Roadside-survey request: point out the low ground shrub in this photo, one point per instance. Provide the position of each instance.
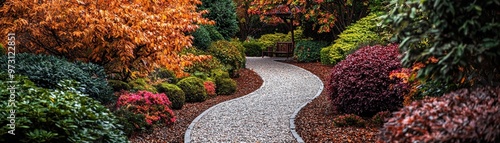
(466, 115)
(118, 85)
(229, 55)
(225, 86)
(132, 122)
(46, 71)
(54, 115)
(380, 118)
(324, 58)
(349, 120)
(154, 107)
(163, 73)
(174, 94)
(308, 51)
(252, 48)
(141, 84)
(193, 88)
(361, 85)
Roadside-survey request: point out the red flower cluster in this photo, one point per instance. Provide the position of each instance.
(155, 107)
(210, 88)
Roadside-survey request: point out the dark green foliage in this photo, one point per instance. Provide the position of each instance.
(225, 86)
(201, 38)
(163, 73)
(193, 88)
(214, 34)
(174, 94)
(308, 51)
(118, 85)
(252, 48)
(361, 32)
(3, 50)
(46, 71)
(132, 122)
(61, 115)
(229, 55)
(141, 84)
(360, 84)
(461, 35)
(223, 12)
(380, 118)
(349, 120)
(466, 115)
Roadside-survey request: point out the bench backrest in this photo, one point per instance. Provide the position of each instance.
(284, 47)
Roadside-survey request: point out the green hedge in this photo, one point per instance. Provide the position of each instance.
(60, 115)
(308, 51)
(361, 32)
(193, 88)
(252, 48)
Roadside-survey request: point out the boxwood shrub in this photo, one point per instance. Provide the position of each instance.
(193, 88)
(46, 71)
(174, 94)
(54, 115)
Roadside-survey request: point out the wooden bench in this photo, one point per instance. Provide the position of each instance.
(285, 48)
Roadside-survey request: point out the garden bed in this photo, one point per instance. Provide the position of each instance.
(314, 123)
(248, 82)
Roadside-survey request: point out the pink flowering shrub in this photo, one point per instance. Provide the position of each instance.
(154, 107)
(210, 88)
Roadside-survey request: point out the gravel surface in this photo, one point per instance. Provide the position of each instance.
(263, 115)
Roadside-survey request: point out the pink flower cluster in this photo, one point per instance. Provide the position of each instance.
(155, 107)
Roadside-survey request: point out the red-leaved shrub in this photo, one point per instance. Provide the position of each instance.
(466, 115)
(210, 88)
(360, 84)
(155, 107)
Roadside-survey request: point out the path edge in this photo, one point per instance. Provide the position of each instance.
(187, 134)
(296, 112)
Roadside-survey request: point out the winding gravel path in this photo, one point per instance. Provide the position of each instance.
(265, 115)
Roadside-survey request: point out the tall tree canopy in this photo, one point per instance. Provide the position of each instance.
(331, 16)
(127, 37)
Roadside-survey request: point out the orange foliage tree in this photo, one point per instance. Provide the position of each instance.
(128, 37)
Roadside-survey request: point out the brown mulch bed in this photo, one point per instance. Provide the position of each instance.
(314, 122)
(248, 82)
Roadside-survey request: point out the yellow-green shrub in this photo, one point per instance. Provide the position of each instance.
(363, 31)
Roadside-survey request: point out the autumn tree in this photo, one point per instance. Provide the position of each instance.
(322, 16)
(128, 37)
